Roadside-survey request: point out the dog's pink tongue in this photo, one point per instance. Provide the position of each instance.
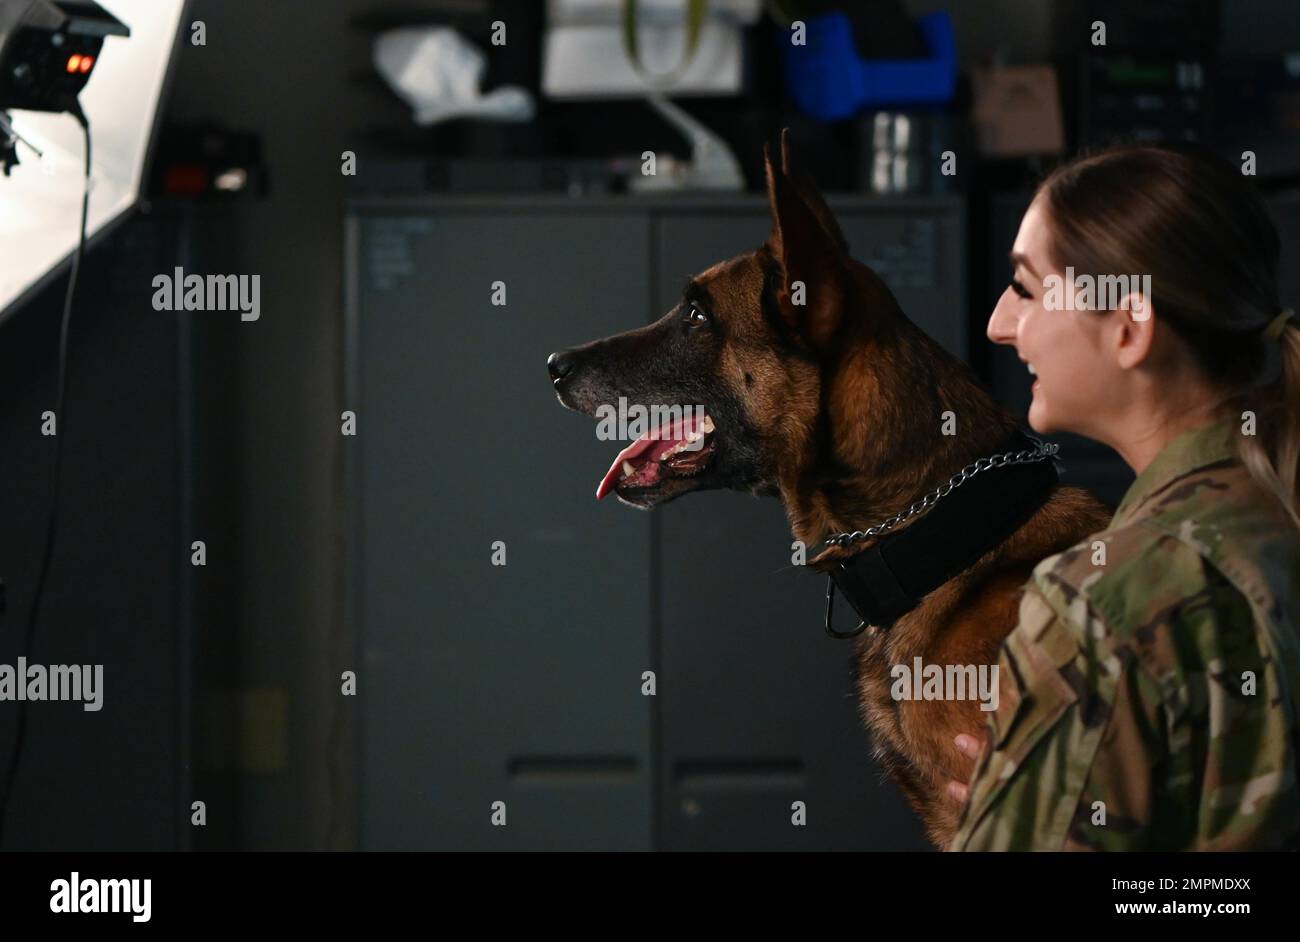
(675, 433)
(616, 469)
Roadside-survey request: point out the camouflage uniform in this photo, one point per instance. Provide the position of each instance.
(1125, 686)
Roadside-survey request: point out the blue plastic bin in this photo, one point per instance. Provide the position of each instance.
(829, 81)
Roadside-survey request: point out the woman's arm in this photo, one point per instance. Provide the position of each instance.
(1072, 749)
(1164, 733)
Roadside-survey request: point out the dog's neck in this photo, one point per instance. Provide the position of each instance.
(880, 444)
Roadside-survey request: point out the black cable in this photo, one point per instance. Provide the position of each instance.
(61, 429)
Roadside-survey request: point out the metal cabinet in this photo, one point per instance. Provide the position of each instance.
(522, 683)
(484, 683)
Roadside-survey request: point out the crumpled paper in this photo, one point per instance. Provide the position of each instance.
(437, 72)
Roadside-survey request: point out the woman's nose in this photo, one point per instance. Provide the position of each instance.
(1002, 322)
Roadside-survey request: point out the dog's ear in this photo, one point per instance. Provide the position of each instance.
(807, 243)
(809, 193)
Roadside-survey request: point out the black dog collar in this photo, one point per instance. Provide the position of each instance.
(890, 577)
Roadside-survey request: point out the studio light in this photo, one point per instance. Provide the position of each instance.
(62, 61)
(48, 48)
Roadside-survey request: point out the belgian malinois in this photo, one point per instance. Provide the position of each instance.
(833, 405)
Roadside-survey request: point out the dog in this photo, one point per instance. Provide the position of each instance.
(818, 390)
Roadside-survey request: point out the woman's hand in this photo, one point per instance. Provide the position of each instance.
(970, 747)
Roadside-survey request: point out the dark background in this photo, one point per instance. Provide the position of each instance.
(222, 681)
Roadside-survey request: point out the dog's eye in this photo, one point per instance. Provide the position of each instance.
(694, 317)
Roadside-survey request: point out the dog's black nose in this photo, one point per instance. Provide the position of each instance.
(560, 365)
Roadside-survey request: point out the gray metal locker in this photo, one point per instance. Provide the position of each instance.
(480, 683)
(522, 683)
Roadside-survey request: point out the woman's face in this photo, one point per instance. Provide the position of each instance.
(1075, 387)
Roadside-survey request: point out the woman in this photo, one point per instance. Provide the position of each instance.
(1151, 689)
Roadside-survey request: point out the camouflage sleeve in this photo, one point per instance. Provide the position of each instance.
(1124, 788)
(1075, 739)
(1152, 738)
(1228, 781)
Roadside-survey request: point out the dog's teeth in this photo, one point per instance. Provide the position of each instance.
(628, 470)
(707, 424)
(1032, 371)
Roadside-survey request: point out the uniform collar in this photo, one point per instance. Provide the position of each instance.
(1196, 448)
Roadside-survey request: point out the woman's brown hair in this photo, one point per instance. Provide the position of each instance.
(1203, 235)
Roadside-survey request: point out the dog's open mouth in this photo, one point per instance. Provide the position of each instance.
(683, 449)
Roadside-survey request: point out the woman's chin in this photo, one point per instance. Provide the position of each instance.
(1039, 419)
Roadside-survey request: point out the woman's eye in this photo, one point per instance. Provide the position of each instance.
(1020, 289)
(695, 317)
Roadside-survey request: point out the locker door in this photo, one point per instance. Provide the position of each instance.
(482, 683)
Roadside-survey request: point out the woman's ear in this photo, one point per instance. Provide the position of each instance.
(1134, 329)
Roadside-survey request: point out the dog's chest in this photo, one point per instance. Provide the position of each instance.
(878, 653)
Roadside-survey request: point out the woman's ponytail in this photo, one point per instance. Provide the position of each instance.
(1272, 457)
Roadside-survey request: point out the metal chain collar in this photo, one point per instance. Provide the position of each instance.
(1040, 452)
